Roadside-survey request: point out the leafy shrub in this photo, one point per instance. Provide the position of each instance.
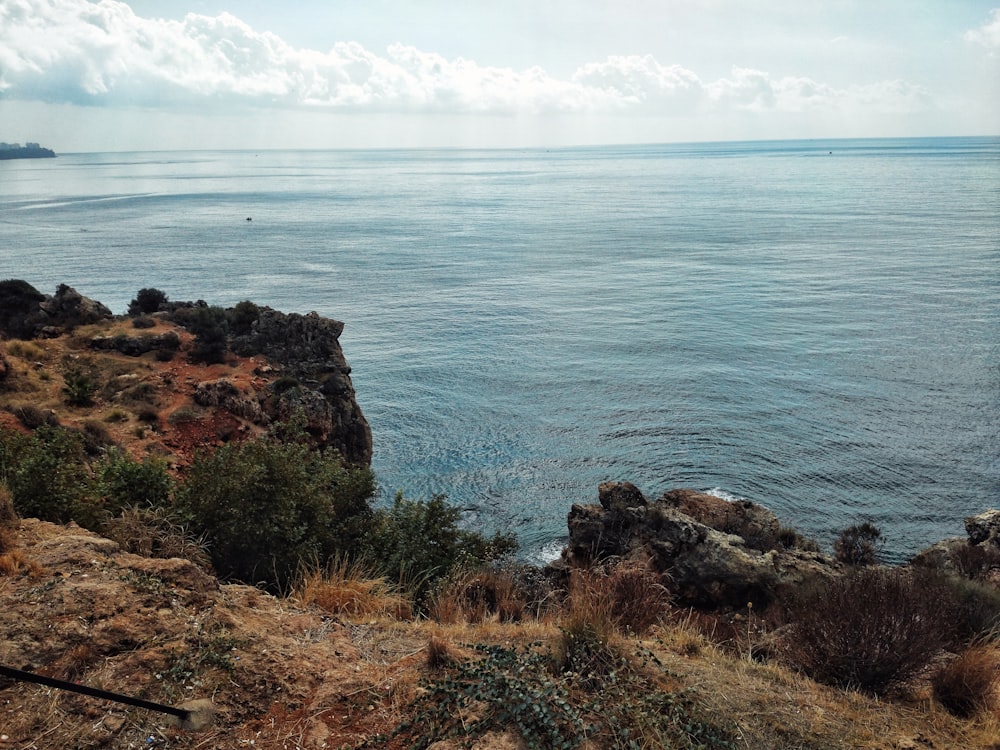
(79, 387)
(419, 542)
(123, 482)
(48, 476)
(872, 628)
(242, 317)
(210, 326)
(265, 506)
(146, 301)
(966, 685)
(515, 689)
(857, 545)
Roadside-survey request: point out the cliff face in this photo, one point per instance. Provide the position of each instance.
(152, 394)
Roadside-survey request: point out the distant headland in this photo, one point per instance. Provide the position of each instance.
(27, 151)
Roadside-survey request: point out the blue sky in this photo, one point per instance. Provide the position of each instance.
(160, 74)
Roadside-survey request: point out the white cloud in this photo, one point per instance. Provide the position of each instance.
(988, 34)
(75, 51)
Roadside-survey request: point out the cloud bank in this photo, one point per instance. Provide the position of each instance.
(102, 54)
(988, 34)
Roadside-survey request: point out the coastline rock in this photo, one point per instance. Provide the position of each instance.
(68, 309)
(308, 347)
(708, 565)
(26, 313)
(984, 528)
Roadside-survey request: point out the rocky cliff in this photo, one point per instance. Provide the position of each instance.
(145, 379)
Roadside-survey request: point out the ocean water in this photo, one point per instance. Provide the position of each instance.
(813, 325)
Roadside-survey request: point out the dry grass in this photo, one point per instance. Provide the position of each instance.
(346, 588)
(968, 684)
(151, 533)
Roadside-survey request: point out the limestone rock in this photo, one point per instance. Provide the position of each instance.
(984, 528)
(707, 566)
(68, 309)
(224, 394)
(308, 346)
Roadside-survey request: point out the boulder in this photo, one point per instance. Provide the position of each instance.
(984, 528)
(68, 309)
(708, 567)
(223, 394)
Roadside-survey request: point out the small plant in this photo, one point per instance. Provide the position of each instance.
(976, 561)
(79, 387)
(858, 544)
(115, 416)
(143, 322)
(153, 532)
(967, 685)
(506, 688)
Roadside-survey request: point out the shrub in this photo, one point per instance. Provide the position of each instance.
(265, 506)
(143, 321)
(242, 317)
(96, 438)
(79, 387)
(147, 301)
(123, 482)
(966, 685)
(872, 628)
(976, 561)
(478, 594)
(857, 545)
(419, 542)
(48, 476)
(210, 327)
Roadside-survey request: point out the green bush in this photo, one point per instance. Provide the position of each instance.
(48, 475)
(265, 506)
(79, 387)
(146, 301)
(124, 482)
(242, 317)
(420, 542)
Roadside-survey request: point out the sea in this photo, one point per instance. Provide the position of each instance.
(810, 325)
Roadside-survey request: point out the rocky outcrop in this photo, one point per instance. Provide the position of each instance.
(695, 540)
(977, 556)
(984, 528)
(27, 313)
(308, 349)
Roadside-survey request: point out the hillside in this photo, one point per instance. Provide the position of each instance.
(594, 653)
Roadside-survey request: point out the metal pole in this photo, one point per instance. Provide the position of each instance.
(18, 674)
